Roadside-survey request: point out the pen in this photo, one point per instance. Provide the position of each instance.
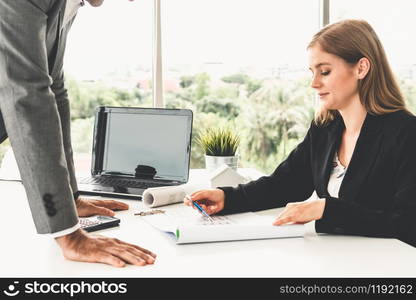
(200, 208)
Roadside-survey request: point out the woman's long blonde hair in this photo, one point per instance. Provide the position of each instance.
(352, 40)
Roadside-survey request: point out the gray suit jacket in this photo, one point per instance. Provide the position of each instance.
(35, 108)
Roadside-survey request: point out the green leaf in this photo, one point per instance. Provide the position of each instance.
(219, 141)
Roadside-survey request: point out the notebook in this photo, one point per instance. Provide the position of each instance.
(138, 148)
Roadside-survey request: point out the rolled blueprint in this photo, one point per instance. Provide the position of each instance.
(159, 196)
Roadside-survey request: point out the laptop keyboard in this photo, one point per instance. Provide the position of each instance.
(120, 182)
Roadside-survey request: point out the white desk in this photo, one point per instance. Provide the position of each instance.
(23, 253)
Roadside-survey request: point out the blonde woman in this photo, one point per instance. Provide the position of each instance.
(359, 155)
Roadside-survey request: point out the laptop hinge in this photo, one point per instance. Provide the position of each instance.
(100, 127)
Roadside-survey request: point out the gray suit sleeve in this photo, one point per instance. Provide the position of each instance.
(31, 114)
(62, 101)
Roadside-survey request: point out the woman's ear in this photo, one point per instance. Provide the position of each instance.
(363, 67)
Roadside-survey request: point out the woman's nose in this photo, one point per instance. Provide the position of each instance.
(316, 83)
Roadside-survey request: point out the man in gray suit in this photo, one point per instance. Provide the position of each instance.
(35, 109)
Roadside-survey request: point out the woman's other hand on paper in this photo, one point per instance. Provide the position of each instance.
(301, 212)
(212, 200)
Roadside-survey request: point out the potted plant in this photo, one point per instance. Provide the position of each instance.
(220, 147)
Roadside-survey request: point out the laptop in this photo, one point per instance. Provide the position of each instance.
(138, 148)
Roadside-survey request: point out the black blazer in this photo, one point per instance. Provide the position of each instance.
(377, 196)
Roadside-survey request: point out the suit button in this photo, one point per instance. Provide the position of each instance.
(51, 212)
(49, 205)
(47, 197)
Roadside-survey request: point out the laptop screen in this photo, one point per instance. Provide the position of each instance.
(147, 139)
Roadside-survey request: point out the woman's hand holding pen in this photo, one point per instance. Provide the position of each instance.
(301, 212)
(212, 200)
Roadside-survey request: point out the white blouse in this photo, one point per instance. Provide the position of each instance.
(337, 175)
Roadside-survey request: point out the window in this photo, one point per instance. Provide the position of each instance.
(108, 61)
(241, 64)
(235, 63)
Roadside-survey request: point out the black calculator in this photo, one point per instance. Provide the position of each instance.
(95, 223)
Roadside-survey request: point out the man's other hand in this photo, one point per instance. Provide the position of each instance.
(91, 207)
(81, 246)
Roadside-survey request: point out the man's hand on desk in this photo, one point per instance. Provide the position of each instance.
(81, 246)
(90, 207)
(212, 201)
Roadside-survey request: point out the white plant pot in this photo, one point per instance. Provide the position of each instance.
(213, 162)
